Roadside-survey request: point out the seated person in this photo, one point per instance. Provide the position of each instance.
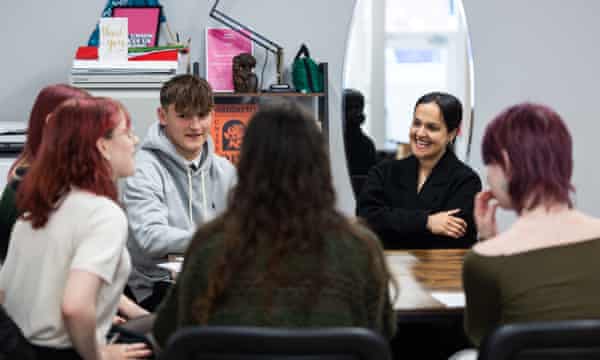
(545, 266)
(360, 150)
(179, 183)
(425, 200)
(273, 257)
(67, 262)
(47, 100)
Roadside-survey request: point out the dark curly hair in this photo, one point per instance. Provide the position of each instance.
(284, 198)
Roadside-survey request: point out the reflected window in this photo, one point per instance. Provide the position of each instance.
(399, 50)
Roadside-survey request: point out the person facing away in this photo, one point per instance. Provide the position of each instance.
(67, 262)
(179, 183)
(281, 254)
(360, 149)
(544, 267)
(425, 200)
(46, 101)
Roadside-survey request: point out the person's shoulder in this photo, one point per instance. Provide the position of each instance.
(462, 169)
(148, 164)
(223, 166)
(85, 203)
(360, 240)
(223, 162)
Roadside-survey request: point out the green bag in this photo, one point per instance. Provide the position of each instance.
(306, 75)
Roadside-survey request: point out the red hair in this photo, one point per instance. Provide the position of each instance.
(68, 157)
(47, 100)
(539, 149)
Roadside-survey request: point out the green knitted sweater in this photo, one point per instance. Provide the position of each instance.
(350, 295)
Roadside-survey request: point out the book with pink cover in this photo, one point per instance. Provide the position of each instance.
(222, 45)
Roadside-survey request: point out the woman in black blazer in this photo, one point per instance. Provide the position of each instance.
(426, 200)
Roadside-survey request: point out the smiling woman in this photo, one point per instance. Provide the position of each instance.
(426, 200)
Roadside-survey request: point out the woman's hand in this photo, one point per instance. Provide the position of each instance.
(125, 351)
(485, 214)
(117, 320)
(445, 223)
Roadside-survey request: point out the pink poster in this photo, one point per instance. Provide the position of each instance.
(143, 24)
(221, 46)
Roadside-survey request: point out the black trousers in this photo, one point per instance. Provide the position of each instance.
(159, 292)
(42, 352)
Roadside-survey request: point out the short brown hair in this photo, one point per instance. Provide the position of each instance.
(189, 93)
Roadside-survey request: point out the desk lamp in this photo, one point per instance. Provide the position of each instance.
(257, 38)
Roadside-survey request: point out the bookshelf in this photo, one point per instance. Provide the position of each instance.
(142, 100)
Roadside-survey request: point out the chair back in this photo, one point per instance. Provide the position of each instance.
(261, 343)
(552, 340)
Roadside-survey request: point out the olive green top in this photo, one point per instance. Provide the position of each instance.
(554, 283)
(350, 296)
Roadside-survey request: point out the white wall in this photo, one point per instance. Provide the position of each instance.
(545, 51)
(39, 40)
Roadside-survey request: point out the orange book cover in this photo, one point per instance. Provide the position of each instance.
(228, 128)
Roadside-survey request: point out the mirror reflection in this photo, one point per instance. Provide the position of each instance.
(408, 95)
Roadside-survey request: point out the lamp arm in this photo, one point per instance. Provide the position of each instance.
(255, 37)
(237, 23)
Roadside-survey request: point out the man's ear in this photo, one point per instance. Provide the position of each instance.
(102, 146)
(162, 115)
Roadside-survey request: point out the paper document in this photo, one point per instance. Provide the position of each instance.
(451, 299)
(174, 266)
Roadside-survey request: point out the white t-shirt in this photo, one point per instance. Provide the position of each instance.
(87, 232)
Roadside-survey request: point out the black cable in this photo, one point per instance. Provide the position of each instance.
(262, 73)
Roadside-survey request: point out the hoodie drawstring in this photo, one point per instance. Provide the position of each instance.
(203, 194)
(190, 197)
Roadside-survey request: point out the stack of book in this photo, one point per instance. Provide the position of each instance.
(149, 67)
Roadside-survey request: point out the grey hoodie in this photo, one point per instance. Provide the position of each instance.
(166, 201)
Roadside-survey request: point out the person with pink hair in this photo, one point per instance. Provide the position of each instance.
(544, 267)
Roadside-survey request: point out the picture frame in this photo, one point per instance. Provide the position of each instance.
(143, 24)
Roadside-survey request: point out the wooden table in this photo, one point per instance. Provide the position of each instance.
(426, 327)
(426, 276)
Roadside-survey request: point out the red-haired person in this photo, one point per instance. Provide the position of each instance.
(545, 266)
(67, 263)
(47, 100)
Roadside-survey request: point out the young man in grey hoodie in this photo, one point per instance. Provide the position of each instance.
(179, 184)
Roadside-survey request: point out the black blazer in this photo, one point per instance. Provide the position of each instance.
(390, 204)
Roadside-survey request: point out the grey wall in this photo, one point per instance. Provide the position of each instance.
(39, 40)
(544, 51)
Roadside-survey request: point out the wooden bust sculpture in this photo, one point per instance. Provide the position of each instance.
(244, 80)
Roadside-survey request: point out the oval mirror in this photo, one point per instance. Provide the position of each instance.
(398, 51)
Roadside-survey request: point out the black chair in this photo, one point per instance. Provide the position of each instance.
(261, 343)
(572, 339)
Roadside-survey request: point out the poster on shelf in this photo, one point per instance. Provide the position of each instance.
(222, 45)
(228, 128)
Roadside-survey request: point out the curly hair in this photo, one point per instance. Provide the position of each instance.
(284, 198)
